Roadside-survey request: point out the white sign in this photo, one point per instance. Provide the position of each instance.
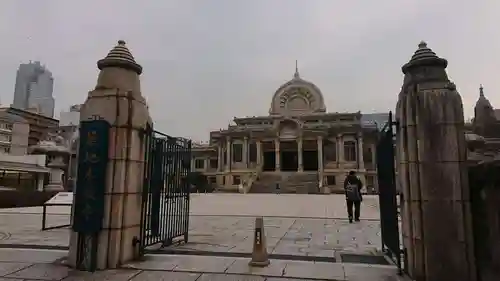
(61, 198)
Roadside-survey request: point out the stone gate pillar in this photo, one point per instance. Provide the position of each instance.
(116, 99)
(432, 172)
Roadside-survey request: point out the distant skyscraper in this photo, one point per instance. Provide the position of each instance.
(34, 87)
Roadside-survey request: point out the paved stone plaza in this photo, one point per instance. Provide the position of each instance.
(307, 227)
(303, 225)
(30, 265)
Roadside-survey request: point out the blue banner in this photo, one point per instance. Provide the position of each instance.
(91, 177)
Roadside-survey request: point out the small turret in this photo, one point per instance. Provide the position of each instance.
(424, 56)
(120, 56)
(484, 115)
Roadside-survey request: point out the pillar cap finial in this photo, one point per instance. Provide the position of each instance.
(120, 56)
(424, 56)
(296, 74)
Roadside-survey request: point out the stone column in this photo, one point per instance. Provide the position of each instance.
(437, 228)
(228, 154)
(320, 166)
(340, 151)
(55, 180)
(259, 152)
(39, 181)
(277, 153)
(117, 99)
(361, 161)
(245, 152)
(320, 153)
(220, 156)
(299, 152)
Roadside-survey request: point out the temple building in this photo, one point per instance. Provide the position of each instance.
(483, 133)
(299, 145)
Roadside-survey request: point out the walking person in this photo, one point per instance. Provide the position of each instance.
(278, 189)
(352, 187)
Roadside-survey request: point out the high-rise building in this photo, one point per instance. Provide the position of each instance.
(34, 87)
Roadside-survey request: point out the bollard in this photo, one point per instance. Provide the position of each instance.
(259, 254)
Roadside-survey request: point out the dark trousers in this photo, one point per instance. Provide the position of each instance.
(357, 209)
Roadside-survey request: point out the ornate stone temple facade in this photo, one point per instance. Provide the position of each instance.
(299, 145)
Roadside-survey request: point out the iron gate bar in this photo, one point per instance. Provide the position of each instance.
(389, 214)
(165, 197)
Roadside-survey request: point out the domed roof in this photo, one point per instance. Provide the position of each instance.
(424, 56)
(297, 96)
(482, 101)
(120, 56)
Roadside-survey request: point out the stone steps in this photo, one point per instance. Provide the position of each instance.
(300, 183)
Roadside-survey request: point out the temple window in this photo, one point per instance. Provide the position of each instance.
(350, 151)
(199, 164)
(237, 152)
(213, 163)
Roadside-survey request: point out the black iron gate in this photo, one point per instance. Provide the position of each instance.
(165, 198)
(389, 215)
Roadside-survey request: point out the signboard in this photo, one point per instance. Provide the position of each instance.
(91, 181)
(61, 199)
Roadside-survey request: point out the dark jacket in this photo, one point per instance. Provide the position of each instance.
(354, 180)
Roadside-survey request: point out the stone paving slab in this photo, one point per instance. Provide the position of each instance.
(282, 205)
(284, 236)
(223, 223)
(184, 267)
(277, 270)
(269, 205)
(30, 255)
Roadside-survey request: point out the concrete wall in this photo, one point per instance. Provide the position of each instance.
(20, 137)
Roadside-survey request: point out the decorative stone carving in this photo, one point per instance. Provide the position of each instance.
(297, 96)
(288, 129)
(57, 150)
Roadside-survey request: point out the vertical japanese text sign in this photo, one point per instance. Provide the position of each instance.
(91, 181)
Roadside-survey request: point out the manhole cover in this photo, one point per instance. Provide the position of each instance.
(366, 259)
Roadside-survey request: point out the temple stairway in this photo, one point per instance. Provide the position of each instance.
(301, 183)
(266, 183)
(290, 182)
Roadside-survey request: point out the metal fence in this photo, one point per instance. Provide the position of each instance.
(389, 215)
(165, 199)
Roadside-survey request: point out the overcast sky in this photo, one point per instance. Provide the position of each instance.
(206, 61)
